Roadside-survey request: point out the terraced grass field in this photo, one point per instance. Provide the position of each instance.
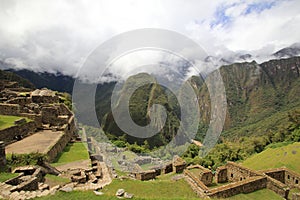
(288, 156)
(7, 121)
(71, 153)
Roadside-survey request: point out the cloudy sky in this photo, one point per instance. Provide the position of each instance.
(48, 36)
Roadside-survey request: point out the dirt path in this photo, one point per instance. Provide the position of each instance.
(82, 164)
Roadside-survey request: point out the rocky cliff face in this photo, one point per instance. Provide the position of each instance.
(255, 92)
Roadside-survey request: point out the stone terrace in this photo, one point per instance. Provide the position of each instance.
(40, 142)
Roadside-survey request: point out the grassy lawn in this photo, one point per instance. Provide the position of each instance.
(6, 176)
(288, 156)
(195, 171)
(158, 189)
(162, 188)
(71, 153)
(8, 121)
(53, 180)
(264, 194)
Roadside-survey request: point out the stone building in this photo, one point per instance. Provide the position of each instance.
(178, 164)
(221, 175)
(203, 174)
(145, 175)
(241, 180)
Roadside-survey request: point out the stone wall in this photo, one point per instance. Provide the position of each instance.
(278, 187)
(44, 99)
(8, 135)
(168, 168)
(2, 156)
(145, 175)
(278, 174)
(37, 118)
(296, 196)
(250, 185)
(284, 175)
(205, 175)
(237, 172)
(178, 164)
(199, 184)
(9, 109)
(221, 175)
(49, 115)
(22, 101)
(292, 179)
(58, 146)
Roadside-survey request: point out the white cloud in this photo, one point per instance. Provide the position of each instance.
(48, 36)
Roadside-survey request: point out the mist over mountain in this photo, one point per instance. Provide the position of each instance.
(57, 82)
(64, 83)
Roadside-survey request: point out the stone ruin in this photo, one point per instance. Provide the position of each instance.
(177, 166)
(204, 175)
(44, 110)
(240, 179)
(27, 185)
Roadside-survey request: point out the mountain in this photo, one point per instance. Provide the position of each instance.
(12, 77)
(293, 50)
(259, 96)
(57, 82)
(139, 107)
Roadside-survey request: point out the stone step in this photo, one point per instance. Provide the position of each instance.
(43, 186)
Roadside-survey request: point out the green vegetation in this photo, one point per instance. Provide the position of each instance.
(264, 194)
(65, 98)
(71, 153)
(162, 188)
(6, 176)
(16, 160)
(243, 147)
(152, 189)
(139, 107)
(276, 157)
(53, 180)
(260, 104)
(7, 121)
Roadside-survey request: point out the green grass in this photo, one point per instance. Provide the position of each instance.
(147, 166)
(294, 190)
(276, 157)
(158, 189)
(53, 180)
(71, 153)
(6, 176)
(7, 121)
(264, 194)
(162, 188)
